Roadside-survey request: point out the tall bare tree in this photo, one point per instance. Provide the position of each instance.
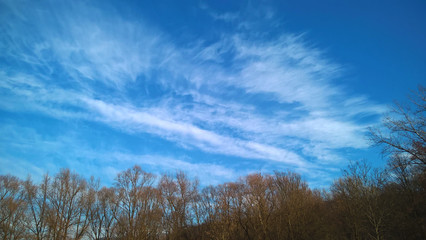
(259, 205)
(179, 196)
(298, 208)
(402, 136)
(360, 202)
(36, 197)
(12, 208)
(139, 215)
(69, 206)
(103, 215)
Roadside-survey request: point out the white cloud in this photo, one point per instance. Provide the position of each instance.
(187, 134)
(76, 155)
(208, 173)
(81, 63)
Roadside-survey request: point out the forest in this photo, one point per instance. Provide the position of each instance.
(364, 203)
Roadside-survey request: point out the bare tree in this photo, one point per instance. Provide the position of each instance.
(36, 197)
(139, 215)
(179, 196)
(103, 214)
(403, 130)
(402, 136)
(297, 214)
(69, 206)
(259, 205)
(218, 212)
(12, 208)
(360, 201)
(235, 192)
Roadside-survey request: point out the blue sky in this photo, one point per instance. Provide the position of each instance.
(219, 89)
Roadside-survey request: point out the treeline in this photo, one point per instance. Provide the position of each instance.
(364, 203)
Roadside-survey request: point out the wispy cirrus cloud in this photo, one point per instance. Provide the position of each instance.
(271, 99)
(133, 120)
(102, 163)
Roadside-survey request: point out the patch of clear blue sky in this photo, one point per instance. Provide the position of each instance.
(380, 42)
(215, 88)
